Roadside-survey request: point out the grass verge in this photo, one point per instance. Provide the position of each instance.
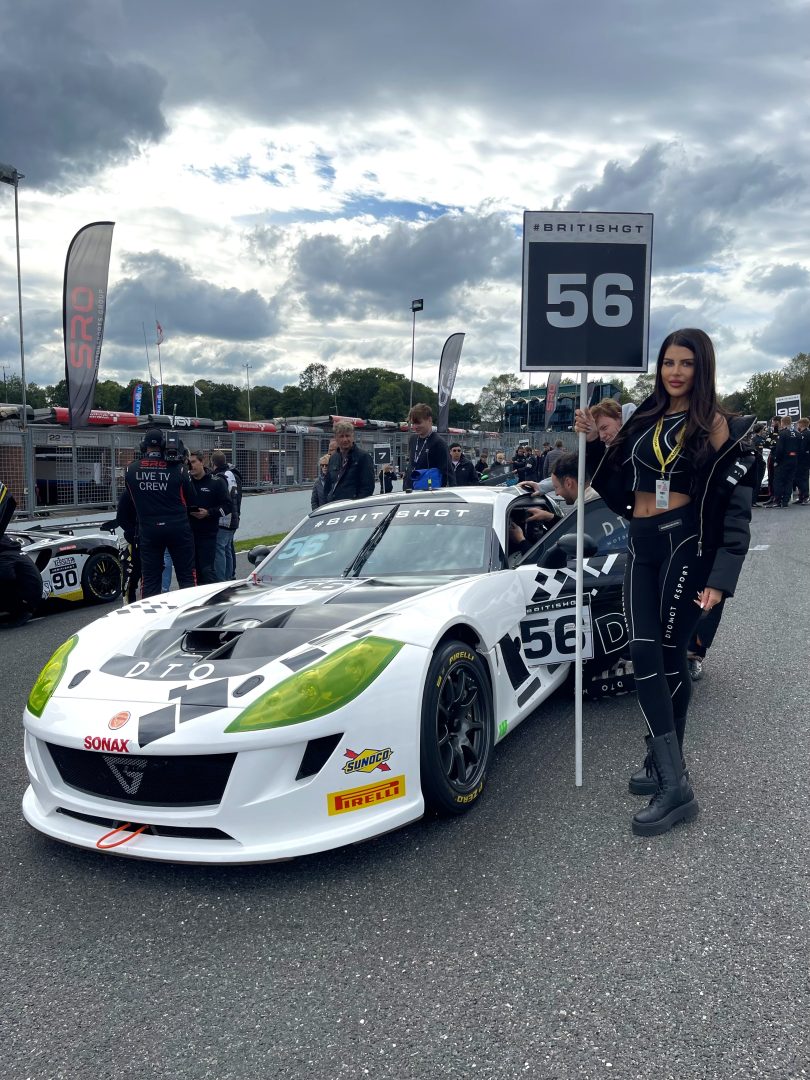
(246, 545)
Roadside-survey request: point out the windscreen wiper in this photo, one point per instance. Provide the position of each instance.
(362, 556)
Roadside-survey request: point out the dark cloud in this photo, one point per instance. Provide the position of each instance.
(382, 275)
(186, 304)
(696, 203)
(779, 277)
(537, 69)
(70, 108)
(788, 331)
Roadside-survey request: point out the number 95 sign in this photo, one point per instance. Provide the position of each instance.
(586, 291)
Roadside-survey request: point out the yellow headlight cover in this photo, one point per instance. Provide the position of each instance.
(320, 689)
(49, 677)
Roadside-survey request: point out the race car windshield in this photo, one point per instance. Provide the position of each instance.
(387, 541)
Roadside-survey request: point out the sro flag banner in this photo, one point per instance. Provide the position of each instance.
(586, 291)
(552, 386)
(84, 306)
(789, 406)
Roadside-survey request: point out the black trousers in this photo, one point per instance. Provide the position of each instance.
(663, 577)
(802, 478)
(179, 542)
(783, 477)
(205, 552)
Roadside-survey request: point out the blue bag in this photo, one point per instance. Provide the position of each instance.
(426, 479)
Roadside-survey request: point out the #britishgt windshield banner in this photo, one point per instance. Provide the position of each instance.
(84, 307)
(448, 366)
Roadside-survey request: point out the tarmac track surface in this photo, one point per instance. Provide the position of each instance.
(535, 936)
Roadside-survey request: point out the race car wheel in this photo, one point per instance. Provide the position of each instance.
(101, 578)
(457, 729)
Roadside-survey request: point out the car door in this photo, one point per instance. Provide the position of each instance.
(547, 629)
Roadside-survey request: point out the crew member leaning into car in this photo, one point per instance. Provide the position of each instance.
(680, 471)
(159, 489)
(351, 470)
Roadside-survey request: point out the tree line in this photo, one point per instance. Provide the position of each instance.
(378, 394)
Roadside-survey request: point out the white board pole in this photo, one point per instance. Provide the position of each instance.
(580, 593)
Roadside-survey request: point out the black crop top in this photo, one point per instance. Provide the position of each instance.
(642, 468)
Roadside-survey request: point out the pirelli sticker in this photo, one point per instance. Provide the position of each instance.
(343, 802)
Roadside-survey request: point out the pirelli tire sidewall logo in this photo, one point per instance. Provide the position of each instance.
(458, 657)
(363, 798)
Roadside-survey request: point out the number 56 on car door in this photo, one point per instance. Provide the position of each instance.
(548, 632)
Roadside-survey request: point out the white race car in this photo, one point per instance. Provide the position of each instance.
(363, 673)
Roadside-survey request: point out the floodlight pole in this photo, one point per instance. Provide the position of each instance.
(247, 376)
(416, 305)
(9, 175)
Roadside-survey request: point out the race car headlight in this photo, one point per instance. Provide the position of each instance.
(320, 689)
(49, 677)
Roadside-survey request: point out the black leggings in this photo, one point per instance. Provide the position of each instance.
(664, 575)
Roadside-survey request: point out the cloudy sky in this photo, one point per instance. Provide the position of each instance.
(286, 177)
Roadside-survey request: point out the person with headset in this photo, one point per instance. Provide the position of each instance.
(160, 492)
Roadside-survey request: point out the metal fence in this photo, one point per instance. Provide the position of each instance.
(77, 470)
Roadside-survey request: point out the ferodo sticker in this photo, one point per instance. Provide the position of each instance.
(343, 802)
(112, 746)
(368, 760)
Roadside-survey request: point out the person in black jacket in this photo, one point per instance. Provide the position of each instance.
(679, 470)
(351, 470)
(461, 472)
(211, 500)
(785, 459)
(802, 478)
(159, 490)
(426, 448)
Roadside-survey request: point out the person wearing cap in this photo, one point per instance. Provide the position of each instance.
(158, 487)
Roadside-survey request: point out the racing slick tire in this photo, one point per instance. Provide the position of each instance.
(458, 728)
(101, 578)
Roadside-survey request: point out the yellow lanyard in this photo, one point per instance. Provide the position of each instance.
(659, 427)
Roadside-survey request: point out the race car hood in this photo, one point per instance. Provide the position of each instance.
(142, 652)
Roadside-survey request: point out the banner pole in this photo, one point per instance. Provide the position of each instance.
(581, 440)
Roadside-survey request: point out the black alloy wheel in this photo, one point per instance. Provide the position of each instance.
(101, 578)
(457, 729)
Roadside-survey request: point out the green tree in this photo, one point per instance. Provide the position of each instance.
(56, 395)
(494, 396)
(388, 403)
(642, 387)
(264, 402)
(314, 386)
(108, 395)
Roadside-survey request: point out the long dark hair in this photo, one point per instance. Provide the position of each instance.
(703, 405)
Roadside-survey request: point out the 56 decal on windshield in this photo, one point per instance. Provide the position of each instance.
(548, 632)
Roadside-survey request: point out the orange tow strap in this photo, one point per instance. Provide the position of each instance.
(125, 840)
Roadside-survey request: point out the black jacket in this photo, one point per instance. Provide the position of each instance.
(355, 481)
(211, 494)
(160, 491)
(318, 496)
(722, 498)
(463, 475)
(788, 447)
(432, 455)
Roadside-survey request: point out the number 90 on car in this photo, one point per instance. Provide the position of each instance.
(548, 632)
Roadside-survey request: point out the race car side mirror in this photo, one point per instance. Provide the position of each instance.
(569, 545)
(565, 550)
(259, 553)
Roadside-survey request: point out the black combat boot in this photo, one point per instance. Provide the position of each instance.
(644, 781)
(674, 800)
